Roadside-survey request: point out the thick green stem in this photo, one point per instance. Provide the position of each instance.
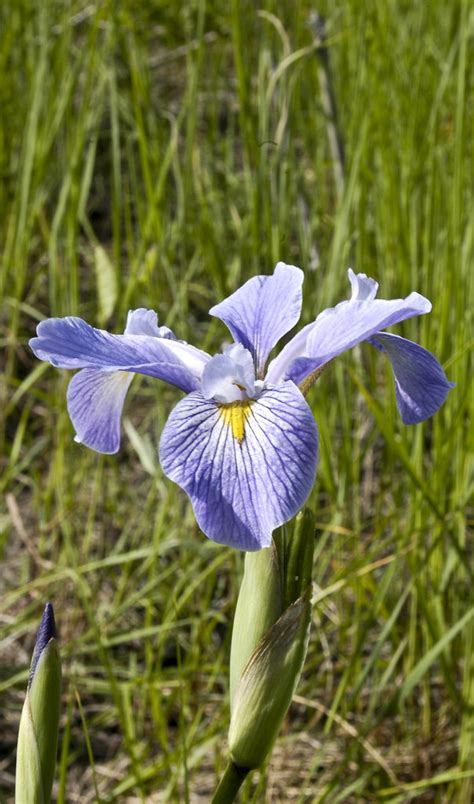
(230, 784)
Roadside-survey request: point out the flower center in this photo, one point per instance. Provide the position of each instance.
(230, 377)
(234, 415)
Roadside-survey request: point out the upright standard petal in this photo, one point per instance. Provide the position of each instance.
(247, 466)
(263, 310)
(340, 328)
(421, 385)
(363, 288)
(71, 343)
(145, 322)
(95, 402)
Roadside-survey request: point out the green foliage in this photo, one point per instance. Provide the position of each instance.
(187, 146)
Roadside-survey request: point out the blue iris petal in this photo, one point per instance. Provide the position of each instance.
(420, 383)
(263, 310)
(95, 402)
(96, 394)
(338, 329)
(247, 467)
(72, 343)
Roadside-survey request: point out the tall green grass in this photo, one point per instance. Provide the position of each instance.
(159, 154)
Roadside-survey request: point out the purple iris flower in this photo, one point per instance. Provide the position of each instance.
(243, 443)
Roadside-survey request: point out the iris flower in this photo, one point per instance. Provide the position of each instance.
(243, 443)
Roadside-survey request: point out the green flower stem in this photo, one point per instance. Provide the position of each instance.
(230, 784)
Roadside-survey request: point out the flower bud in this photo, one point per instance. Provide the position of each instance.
(38, 732)
(267, 684)
(259, 606)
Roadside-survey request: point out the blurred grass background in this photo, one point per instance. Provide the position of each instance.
(159, 154)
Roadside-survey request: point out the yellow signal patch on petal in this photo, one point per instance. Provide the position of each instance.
(235, 414)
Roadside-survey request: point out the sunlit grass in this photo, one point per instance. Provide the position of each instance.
(157, 154)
